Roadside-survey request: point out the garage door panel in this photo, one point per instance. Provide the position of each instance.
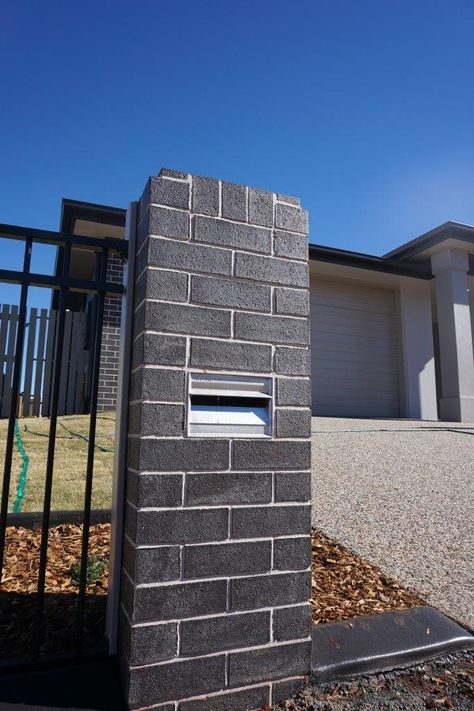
(356, 305)
(380, 353)
(352, 388)
(335, 342)
(343, 364)
(356, 409)
(354, 355)
(327, 314)
(357, 298)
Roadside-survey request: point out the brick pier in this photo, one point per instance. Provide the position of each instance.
(216, 569)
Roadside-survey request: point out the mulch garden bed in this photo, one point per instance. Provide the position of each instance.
(345, 585)
(18, 599)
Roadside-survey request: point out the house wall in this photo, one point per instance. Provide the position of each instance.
(110, 345)
(216, 567)
(416, 345)
(450, 266)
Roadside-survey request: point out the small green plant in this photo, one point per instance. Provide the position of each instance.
(95, 567)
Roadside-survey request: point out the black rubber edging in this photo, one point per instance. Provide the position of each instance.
(33, 519)
(390, 640)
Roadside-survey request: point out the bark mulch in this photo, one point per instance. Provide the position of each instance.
(20, 573)
(19, 602)
(345, 585)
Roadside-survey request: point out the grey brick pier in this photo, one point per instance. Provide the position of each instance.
(216, 567)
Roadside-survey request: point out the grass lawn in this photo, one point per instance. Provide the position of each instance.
(70, 461)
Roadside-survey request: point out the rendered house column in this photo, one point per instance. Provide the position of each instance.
(216, 577)
(419, 382)
(450, 268)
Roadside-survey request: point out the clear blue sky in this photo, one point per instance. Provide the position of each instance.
(363, 108)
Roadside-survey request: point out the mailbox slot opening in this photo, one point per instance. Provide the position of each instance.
(229, 405)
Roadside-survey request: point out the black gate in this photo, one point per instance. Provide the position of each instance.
(42, 621)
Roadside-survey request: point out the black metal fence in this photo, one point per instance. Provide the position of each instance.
(63, 286)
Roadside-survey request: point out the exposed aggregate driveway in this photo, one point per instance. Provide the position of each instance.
(403, 499)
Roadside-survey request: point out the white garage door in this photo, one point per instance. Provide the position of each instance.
(353, 350)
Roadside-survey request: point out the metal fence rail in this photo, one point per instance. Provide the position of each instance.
(44, 346)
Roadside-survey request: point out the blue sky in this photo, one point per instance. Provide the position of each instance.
(365, 109)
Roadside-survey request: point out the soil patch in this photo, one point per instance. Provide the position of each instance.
(446, 683)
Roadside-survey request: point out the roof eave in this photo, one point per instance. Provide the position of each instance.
(366, 261)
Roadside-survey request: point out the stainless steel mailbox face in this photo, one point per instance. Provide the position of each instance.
(229, 405)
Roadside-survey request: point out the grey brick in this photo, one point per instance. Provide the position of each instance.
(221, 633)
(296, 392)
(270, 590)
(285, 690)
(228, 292)
(292, 623)
(130, 521)
(293, 423)
(260, 521)
(166, 222)
(265, 455)
(292, 486)
(183, 455)
(231, 234)
(292, 361)
(169, 192)
(260, 207)
(154, 349)
(271, 329)
(227, 559)
(169, 173)
(294, 302)
(179, 679)
(292, 553)
(152, 565)
(160, 284)
(271, 270)
(144, 490)
(138, 320)
(288, 198)
(290, 244)
(194, 320)
(127, 593)
(180, 600)
(234, 201)
(153, 643)
(158, 384)
(228, 488)
(270, 663)
(254, 698)
(294, 219)
(149, 644)
(181, 526)
(195, 257)
(225, 355)
(205, 195)
(156, 419)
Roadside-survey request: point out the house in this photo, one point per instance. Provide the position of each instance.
(391, 336)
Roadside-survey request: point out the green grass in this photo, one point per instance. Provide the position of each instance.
(69, 463)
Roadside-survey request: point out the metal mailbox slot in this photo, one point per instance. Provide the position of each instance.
(229, 405)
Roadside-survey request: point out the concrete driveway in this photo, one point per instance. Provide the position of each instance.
(403, 499)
